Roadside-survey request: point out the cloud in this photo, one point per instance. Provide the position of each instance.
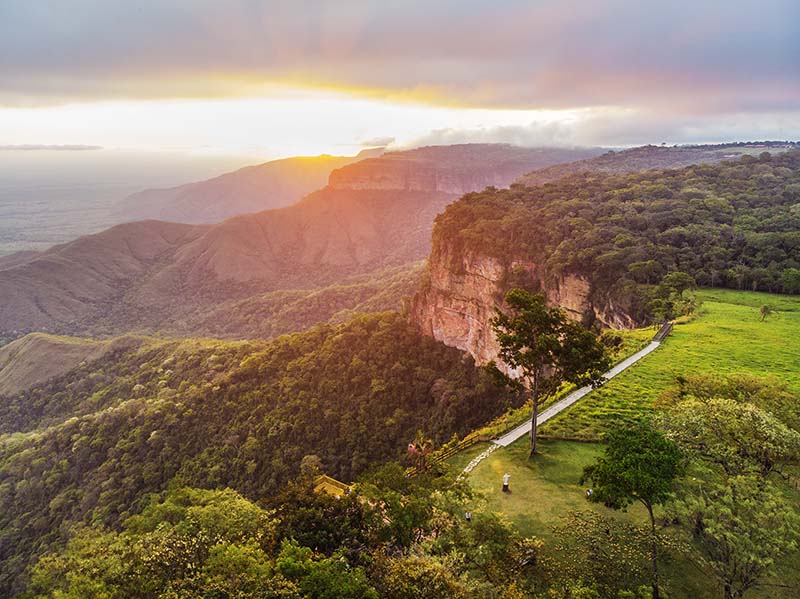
(595, 127)
(55, 147)
(377, 142)
(716, 56)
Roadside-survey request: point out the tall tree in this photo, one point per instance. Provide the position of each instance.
(640, 464)
(739, 431)
(546, 348)
(741, 527)
(678, 282)
(739, 437)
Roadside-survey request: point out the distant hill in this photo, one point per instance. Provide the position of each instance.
(653, 157)
(137, 274)
(37, 358)
(273, 184)
(455, 169)
(140, 276)
(11, 260)
(267, 315)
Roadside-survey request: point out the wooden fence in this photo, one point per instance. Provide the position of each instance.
(445, 453)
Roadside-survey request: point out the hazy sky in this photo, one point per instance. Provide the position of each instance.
(307, 76)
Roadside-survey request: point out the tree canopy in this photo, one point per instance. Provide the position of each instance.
(735, 224)
(640, 465)
(90, 445)
(545, 348)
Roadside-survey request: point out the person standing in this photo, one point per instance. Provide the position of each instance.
(506, 476)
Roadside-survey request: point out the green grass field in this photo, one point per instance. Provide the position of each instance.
(546, 488)
(542, 489)
(725, 336)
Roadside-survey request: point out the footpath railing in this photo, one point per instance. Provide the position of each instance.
(665, 330)
(444, 454)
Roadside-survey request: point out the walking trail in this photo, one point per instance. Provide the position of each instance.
(561, 405)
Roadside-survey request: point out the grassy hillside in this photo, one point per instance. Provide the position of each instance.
(39, 357)
(725, 336)
(267, 315)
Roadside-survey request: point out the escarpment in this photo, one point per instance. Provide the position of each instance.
(153, 275)
(595, 243)
(452, 170)
(463, 287)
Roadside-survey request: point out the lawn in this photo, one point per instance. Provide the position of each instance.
(541, 489)
(725, 336)
(544, 489)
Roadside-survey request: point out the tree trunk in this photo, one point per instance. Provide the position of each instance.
(535, 413)
(653, 551)
(726, 591)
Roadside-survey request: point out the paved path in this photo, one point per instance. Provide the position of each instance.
(545, 415)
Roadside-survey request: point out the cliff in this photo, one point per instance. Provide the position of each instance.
(453, 170)
(143, 275)
(462, 288)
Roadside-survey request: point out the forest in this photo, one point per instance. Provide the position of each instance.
(710, 467)
(735, 225)
(90, 446)
(177, 468)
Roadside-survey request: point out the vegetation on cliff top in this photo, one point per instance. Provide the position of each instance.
(736, 225)
(653, 157)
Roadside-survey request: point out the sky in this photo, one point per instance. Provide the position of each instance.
(277, 78)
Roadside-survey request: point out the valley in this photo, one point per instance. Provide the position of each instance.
(140, 276)
(249, 355)
(399, 300)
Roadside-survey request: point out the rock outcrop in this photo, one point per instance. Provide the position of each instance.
(462, 289)
(453, 170)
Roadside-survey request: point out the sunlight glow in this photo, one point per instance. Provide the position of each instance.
(285, 121)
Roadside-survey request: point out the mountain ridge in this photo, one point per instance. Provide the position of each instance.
(250, 189)
(148, 272)
(649, 157)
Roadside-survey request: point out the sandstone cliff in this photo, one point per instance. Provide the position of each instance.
(453, 170)
(250, 189)
(462, 288)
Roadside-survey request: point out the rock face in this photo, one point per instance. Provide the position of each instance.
(462, 289)
(453, 170)
(408, 175)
